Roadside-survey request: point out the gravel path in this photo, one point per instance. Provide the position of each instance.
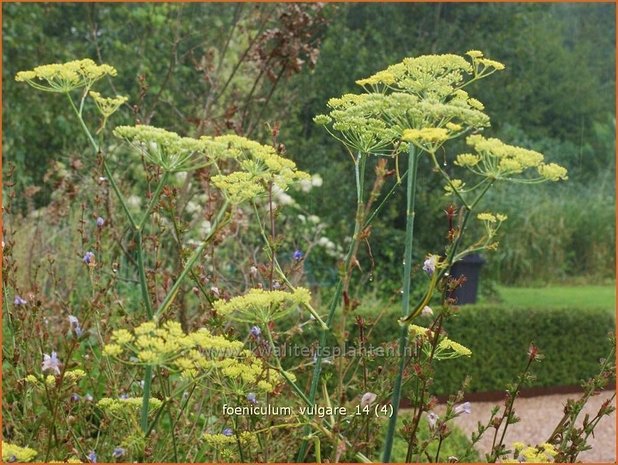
(539, 416)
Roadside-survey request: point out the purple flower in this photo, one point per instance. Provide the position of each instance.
(74, 322)
(88, 258)
(100, 222)
(119, 452)
(431, 419)
(429, 265)
(92, 457)
(19, 301)
(251, 397)
(367, 399)
(466, 407)
(298, 255)
(51, 362)
(12, 459)
(228, 432)
(123, 396)
(255, 331)
(75, 397)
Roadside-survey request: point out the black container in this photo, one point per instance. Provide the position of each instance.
(470, 267)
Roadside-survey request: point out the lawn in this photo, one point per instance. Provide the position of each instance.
(560, 296)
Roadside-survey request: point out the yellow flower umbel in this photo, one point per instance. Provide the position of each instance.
(107, 106)
(13, 453)
(544, 453)
(499, 161)
(260, 166)
(424, 95)
(196, 355)
(65, 77)
(263, 306)
(167, 149)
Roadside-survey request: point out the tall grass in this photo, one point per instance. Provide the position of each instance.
(553, 235)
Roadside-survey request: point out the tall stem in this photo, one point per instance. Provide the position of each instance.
(405, 301)
(358, 227)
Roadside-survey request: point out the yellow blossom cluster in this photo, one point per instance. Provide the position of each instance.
(446, 348)
(260, 166)
(121, 407)
(262, 305)
(246, 438)
(543, 453)
(65, 77)
(14, 453)
(193, 355)
(497, 160)
(420, 100)
(107, 105)
(167, 149)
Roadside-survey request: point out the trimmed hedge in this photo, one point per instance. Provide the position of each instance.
(571, 340)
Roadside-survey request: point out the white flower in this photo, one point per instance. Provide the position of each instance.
(316, 180)
(205, 228)
(134, 201)
(181, 176)
(427, 311)
(305, 185)
(302, 218)
(466, 407)
(432, 418)
(51, 362)
(192, 207)
(315, 219)
(367, 399)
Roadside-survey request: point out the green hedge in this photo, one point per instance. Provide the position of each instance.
(571, 340)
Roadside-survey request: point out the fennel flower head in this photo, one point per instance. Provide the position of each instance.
(65, 77)
(420, 101)
(193, 355)
(257, 167)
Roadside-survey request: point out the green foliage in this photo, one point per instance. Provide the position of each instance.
(456, 444)
(571, 339)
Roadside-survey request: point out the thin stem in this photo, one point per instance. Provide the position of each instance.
(146, 398)
(339, 289)
(169, 298)
(405, 301)
(153, 200)
(142, 275)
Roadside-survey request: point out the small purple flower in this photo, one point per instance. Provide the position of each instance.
(431, 419)
(75, 397)
(298, 255)
(74, 322)
(123, 396)
(19, 301)
(228, 432)
(368, 399)
(466, 407)
(429, 265)
(88, 258)
(12, 459)
(119, 452)
(251, 397)
(255, 331)
(51, 362)
(92, 457)
(100, 222)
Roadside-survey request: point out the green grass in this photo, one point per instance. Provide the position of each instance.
(559, 296)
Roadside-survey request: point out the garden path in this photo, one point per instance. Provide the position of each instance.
(539, 416)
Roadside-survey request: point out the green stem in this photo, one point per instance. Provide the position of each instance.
(317, 369)
(169, 298)
(405, 301)
(153, 200)
(142, 275)
(146, 399)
